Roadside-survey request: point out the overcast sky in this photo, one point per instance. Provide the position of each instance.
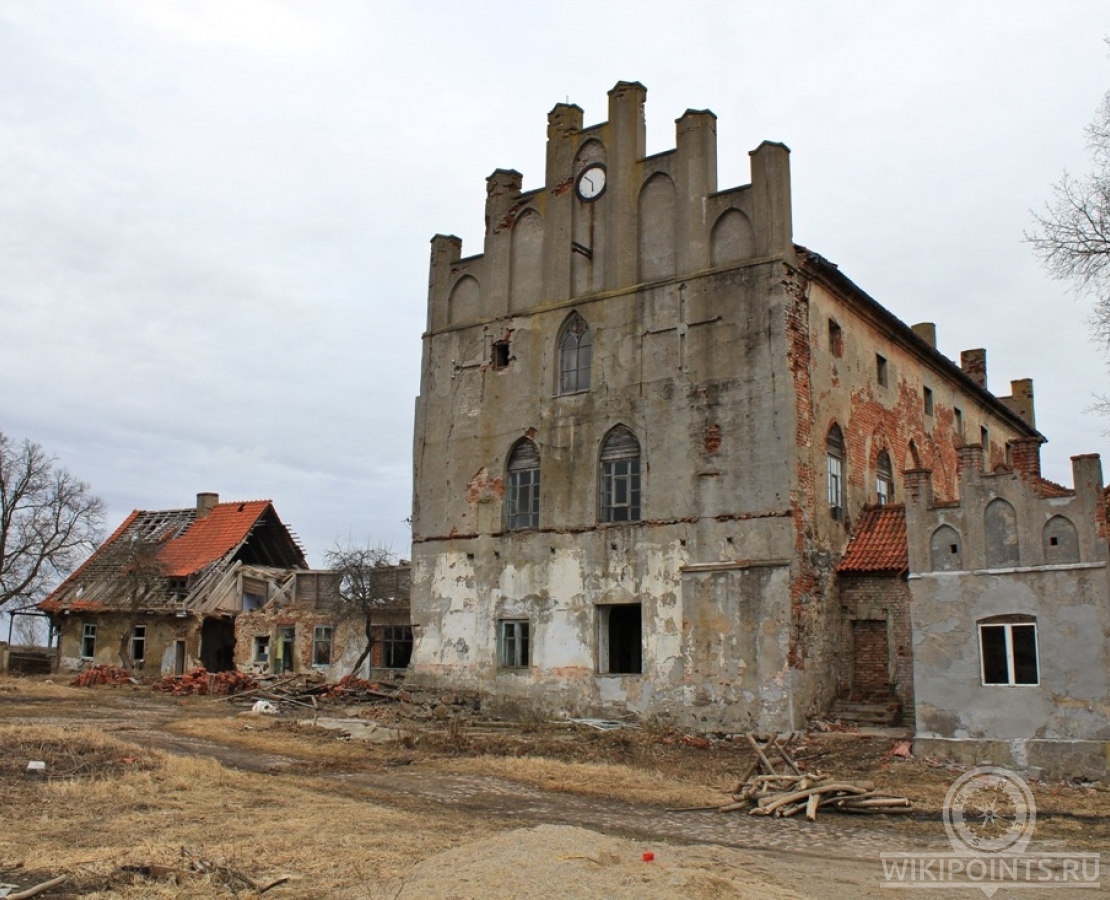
(214, 216)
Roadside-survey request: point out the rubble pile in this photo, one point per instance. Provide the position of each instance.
(112, 675)
(201, 681)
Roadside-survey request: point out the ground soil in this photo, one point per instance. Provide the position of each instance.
(154, 796)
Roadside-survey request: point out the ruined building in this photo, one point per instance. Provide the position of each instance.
(648, 423)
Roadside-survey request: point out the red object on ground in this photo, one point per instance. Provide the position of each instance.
(648, 856)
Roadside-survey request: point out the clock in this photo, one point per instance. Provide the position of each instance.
(591, 182)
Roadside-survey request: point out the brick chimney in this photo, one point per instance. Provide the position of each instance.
(205, 502)
(1025, 457)
(974, 365)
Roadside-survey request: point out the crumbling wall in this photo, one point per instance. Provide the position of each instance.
(162, 634)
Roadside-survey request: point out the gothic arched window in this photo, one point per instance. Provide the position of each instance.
(575, 355)
(620, 476)
(884, 479)
(522, 494)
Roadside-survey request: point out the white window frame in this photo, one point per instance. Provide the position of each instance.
(88, 638)
(138, 644)
(514, 644)
(322, 635)
(1009, 643)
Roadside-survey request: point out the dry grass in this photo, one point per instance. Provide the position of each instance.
(331, 838)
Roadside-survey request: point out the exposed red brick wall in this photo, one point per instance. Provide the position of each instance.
(874, 605)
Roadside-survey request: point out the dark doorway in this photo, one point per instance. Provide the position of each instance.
(622, 639)
(286, 643)
(217, 645)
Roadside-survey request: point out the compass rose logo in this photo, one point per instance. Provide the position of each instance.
(989, 810)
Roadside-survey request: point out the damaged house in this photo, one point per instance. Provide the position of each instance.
(648, 425)
(169, 590)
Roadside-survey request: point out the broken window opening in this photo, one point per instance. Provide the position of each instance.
(261, 649)
(620, 644)
(836, 338)
(834, 458)
(620, 476)
(884, 479)
(513, 645)
(499, 358)
(927, 399)
(880, 370)
(138, 644)
(985, 439)
(575, 356)
(321, 645)
(396, 646)
(523, 490)
(958, 415)
(88, 641)
(1008, 651)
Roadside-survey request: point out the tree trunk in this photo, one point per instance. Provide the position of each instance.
(369, 632)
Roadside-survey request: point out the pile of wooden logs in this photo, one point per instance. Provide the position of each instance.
(764, 791)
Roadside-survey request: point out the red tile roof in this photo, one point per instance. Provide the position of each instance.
(878, 543)
(210, 538)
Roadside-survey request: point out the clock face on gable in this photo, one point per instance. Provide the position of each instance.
(591, 182)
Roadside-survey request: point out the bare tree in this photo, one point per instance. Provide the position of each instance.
(140, 576)
(1073, 234)
(370, 583)
(49, 521)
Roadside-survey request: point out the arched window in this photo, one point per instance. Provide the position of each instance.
(884, 479)
(620, 476)
(834, 458)
(522, 495)
(575, 355)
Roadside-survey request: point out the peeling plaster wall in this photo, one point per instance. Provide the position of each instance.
(1062, 723)
(162, 633)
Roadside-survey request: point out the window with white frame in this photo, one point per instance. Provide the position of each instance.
(1008, 650)
(834, 464)
(513, 645)
(138, 644)
(321, 645)
(88, 640)
(884, 479)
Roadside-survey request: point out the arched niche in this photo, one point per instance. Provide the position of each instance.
(657, 228)
(1001, 535)
(732, 239)
(1061, 541)
(946, 550)
(526, 261)
(465, 302)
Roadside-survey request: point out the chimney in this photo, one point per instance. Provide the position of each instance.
(974, 365)
(927, 331)
(1020, 400)
(205, 502)
(1025, 457)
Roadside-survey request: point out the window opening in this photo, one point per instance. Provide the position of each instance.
(884, 479)
(523, 502)
(500, 355)
(575, 356)
(514, 651)
(836, 339)
(88, 641)
(927, 396)
(985, 439)
(261, 649)
(959, 420)
(396, 646)
(321, 645)
(621, 639)
(834, 455)
(1009, 653)
(620, 477)
(138, 644)
(880, 370)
